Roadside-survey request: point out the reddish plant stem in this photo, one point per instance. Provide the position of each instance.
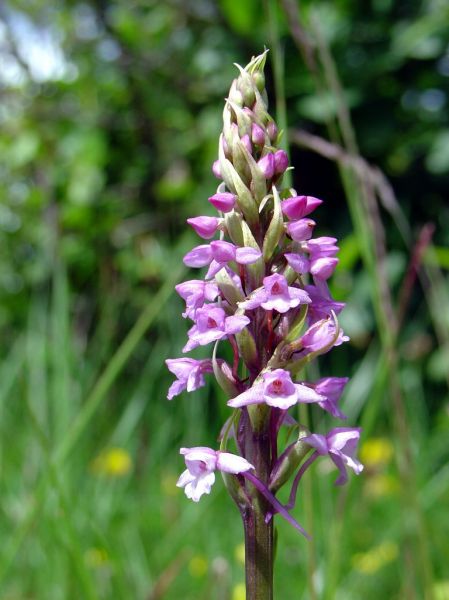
(258, 533)
(235, 364)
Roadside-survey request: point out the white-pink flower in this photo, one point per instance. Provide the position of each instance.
(341, 444)
(276, 294)
(218, 254)
(211, 325)
(277, 389)
(201, 462)
(189, 374)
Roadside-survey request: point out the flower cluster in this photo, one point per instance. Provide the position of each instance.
(265, 293)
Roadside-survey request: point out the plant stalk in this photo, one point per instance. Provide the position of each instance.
(259, 548)
(258, 555)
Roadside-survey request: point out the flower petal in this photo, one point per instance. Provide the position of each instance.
(252, 396)
(200, 256)
(318, 442)
(298, 263)
(306, 394)
(231, 463)
(202, 485)
(247, 255)
(236, 323)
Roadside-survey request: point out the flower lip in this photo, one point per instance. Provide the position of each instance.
(210, 318)
(212, 324)
(276, 288)
(201, 462)
(277, 390)
(276, 294)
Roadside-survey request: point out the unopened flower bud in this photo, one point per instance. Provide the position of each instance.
(288, 462)
(245, 199)
(216, 170)
(246, 86)
(224, 201)
(243, 120)
(266, 165)
(301, 230)
(223, 374)
(235, 95)
(226, 149)
(297, 207)
(272, 131)
(239, 160)
(257, 135)
(247, 348)
(230, 287)
(275, 230)
(247, 143)
(260, 109)
(233, 224)
(322, 268)
(205, 227)
(259, 80)
(280, 162)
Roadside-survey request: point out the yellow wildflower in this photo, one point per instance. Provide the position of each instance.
(96, 557)
(239, 553)
(198, 566)
(376, 452)
(239, 592)
(372, 561)
(113, 462)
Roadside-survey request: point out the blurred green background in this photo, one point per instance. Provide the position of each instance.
(110, 113)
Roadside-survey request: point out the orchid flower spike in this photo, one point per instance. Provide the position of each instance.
(263, 299)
